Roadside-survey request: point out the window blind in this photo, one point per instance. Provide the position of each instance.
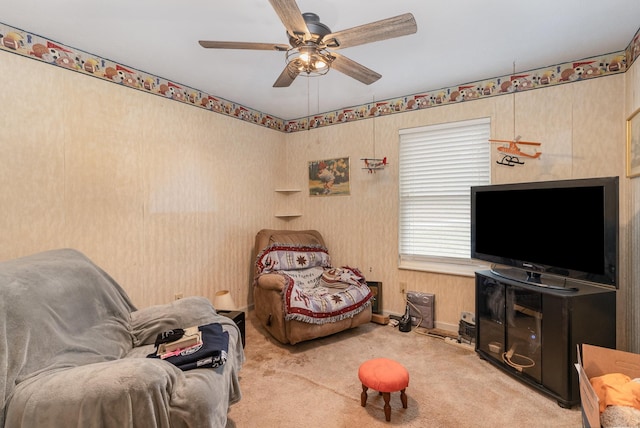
(438, 164)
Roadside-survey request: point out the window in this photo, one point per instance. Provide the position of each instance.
(437, 167)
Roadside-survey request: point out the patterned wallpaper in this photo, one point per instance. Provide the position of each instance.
(33, 46)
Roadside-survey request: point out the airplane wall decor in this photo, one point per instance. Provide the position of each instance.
(373, 164)
(511, 152)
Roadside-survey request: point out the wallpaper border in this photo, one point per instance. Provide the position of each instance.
(33, 46)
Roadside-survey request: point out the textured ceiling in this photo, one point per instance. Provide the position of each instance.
(458, 41)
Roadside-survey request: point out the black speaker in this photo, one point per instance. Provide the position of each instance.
(405, 325)
(405, 322)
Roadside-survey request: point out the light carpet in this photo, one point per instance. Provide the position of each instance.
(315, 384)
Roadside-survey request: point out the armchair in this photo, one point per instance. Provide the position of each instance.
(73, 352)
(298, 295)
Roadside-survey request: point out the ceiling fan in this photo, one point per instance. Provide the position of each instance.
(312, 44)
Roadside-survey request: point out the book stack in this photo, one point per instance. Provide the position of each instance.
(191, 340)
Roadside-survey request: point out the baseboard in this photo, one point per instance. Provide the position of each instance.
(446, 326)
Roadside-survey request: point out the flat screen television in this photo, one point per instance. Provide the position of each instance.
(548, 232)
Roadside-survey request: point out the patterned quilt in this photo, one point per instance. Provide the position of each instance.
(315, 292)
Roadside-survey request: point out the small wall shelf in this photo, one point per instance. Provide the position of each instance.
(288, 190)
(287, 213)
(288, 216)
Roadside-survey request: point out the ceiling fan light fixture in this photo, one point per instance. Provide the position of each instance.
(308, 60)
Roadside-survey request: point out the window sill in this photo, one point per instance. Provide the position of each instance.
(460, 269)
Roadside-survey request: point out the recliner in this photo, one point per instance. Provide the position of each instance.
(268, 287)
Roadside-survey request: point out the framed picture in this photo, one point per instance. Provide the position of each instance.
(633, 144)
(329, 177)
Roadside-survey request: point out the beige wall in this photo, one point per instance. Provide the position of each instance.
(164, 196)
(579, 126)
(629, 301)
(168, 197)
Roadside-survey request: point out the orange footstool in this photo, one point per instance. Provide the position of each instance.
(385, 376)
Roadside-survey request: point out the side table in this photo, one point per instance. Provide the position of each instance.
(238, 318)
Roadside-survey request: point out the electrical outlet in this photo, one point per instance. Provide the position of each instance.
(403, 288)
(178, 296)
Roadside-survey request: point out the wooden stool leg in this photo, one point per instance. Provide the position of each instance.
(363, 396)
(403, 398)
(387, 407)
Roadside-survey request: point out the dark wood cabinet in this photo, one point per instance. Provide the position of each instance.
(238, 318)
(531, 332)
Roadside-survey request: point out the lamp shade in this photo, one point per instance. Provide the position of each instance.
(223, 301)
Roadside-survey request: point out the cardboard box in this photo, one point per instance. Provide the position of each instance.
(597, 361)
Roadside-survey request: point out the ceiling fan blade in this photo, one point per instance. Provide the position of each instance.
(243, 45)
(286, 78)
(389, 28)
(353, 69)
(291, 17)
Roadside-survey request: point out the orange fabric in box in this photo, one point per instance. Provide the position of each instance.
(616, 389)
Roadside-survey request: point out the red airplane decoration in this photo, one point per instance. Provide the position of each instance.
(374, 164)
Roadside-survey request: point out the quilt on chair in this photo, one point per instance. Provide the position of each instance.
(314, 292)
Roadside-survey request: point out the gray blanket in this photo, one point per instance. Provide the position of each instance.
(73, 347)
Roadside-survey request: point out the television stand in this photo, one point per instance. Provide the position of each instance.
(531, 332)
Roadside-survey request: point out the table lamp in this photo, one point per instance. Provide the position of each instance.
(223, 301)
